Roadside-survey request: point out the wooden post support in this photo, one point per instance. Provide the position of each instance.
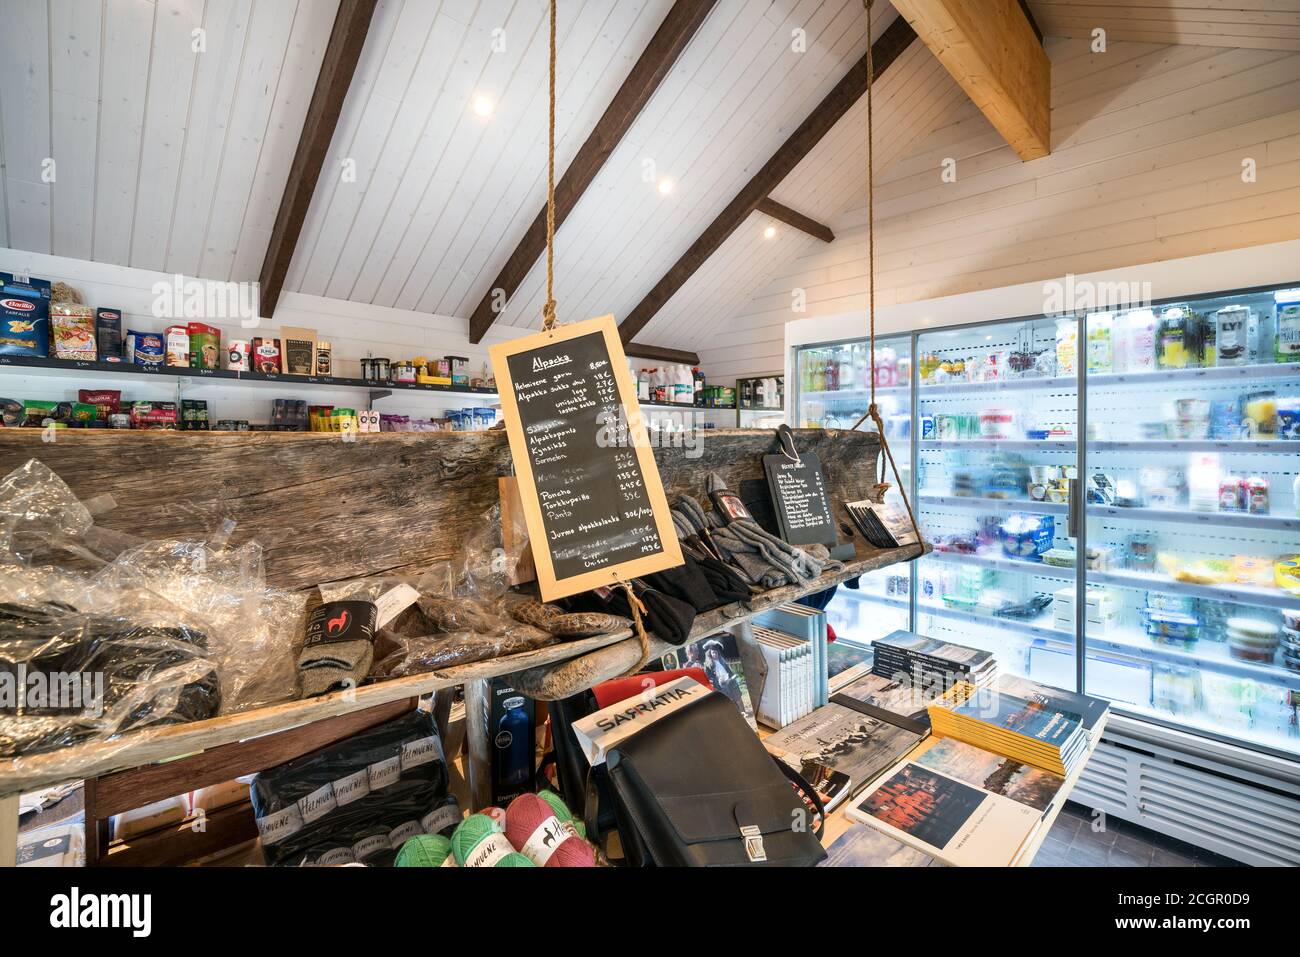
(8, 830)
(478, 751)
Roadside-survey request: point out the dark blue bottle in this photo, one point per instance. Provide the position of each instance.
(514, 747)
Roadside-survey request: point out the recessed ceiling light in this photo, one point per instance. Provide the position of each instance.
(769, 233)
(665, 186)
(483, 106)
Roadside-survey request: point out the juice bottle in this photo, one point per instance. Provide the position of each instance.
(1172, 339)
(1286, 325)
(1101, 342)
(1067, 345)
(1140, 336)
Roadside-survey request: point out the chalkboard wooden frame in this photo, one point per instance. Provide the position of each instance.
(670, 554)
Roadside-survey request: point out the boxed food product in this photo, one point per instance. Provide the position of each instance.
(299, 356)
(1026, 536)
(36, 412)
(205, 346)
(24, 317)
(107, 402)
(266, 356)
(194, 415)
(145, 348)
(178, 347)
(72, 329)
(108, 334)
(1286, 325)
(153, 415)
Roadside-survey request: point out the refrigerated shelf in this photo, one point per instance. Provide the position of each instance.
(1238, 594)
(1128, 641)
(1135, 445)
(1278, 523)
(1246, 373)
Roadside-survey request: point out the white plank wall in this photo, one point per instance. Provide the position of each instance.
(1146, 165)
(1255, 24)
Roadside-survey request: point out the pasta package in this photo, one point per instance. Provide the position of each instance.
(72, 329)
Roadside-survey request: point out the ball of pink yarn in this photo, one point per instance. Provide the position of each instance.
(525, 816)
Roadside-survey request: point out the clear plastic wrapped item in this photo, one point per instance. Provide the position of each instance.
(102, 633)
(359, 800)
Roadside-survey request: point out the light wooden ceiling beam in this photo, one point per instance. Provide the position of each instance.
(991, 50)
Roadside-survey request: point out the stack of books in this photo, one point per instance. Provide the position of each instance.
(808, 625)
(1042, 727)
(883, 525)
(930, 663)
(789, 689)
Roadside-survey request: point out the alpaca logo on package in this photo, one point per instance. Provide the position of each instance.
(336, 626)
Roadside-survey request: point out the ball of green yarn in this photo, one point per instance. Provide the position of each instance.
(473, 831)
(562, 811)
(424, 850)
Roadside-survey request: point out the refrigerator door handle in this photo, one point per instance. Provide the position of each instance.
(1073, 508)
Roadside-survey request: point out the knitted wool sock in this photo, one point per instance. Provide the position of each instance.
(339, 646)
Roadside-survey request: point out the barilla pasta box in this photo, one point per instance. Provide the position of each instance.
(24, 317)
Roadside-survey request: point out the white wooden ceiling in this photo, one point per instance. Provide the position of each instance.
(163, 157)
(173, 160)
(1261, 24)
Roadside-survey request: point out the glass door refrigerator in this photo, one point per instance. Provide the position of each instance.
(1192, 475)
(1113, 500)
(997, 433)
(832, 391)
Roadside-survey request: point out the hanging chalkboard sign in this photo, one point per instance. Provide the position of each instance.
(799, 495)
(592, 498)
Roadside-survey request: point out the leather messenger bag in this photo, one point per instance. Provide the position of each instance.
(698, 789)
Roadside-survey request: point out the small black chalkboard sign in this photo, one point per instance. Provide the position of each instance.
(800, 497)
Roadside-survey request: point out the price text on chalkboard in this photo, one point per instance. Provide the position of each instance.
(800, 499)
(591, 493)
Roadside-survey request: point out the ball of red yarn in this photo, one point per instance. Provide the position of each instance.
(535, 831)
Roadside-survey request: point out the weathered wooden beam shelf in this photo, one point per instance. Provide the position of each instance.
(536, 670)
(393, 503)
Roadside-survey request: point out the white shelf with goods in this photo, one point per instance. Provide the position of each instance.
(1131, 642)
(993, 445)
(994, 504)
(857, 395)
(1280, 523)
(1137, 445)
(1179, 377)
(1238, 594)
(93, 371)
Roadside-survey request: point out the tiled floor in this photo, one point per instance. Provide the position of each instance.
(1072, 842)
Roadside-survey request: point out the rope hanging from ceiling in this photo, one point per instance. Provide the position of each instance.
(873, 411)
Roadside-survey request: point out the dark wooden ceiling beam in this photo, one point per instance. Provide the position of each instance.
(348, 36)
(659, 354)
(798, 220)
(672, 37)
(800, 143)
